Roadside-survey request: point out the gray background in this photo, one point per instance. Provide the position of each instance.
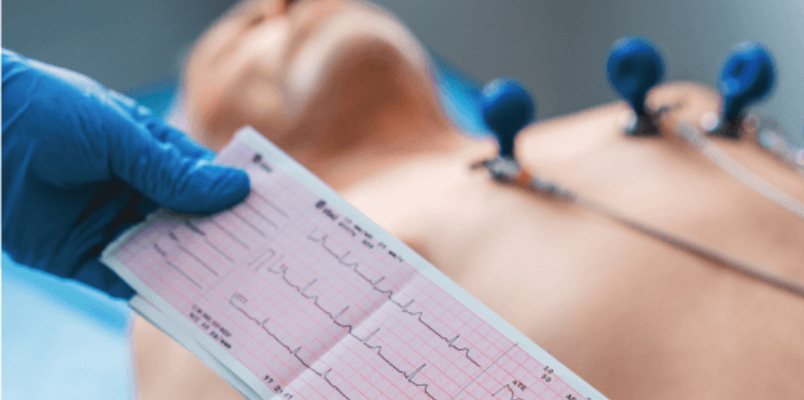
(557, 47)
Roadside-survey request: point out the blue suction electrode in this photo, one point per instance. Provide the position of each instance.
(746, 77)
(507, 108)
(635, 66)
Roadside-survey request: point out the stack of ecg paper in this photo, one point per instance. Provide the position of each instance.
(294, 294)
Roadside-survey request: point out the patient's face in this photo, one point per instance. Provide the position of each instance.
(273, 63)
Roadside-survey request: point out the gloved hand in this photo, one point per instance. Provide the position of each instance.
(81, 163)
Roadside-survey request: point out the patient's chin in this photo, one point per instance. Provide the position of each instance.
(351, 59)
(340, 50)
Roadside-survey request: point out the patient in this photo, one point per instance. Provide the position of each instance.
(345, 89)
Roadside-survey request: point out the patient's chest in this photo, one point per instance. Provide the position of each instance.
(634, 316)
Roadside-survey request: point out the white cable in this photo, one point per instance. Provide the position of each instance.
(738, 171)
(506, 171)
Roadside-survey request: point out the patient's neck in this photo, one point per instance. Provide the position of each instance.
(372, 118)
(361, 143)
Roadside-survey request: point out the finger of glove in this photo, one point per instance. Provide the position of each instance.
(97, 275)
(159, 129)
(160, 171)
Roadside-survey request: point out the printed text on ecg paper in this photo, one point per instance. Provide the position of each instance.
(316, 307)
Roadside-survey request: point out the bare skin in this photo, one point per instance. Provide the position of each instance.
(633, 316)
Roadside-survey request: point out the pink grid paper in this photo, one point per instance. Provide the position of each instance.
(316, 302)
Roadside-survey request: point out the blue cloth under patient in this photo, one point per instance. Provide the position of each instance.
(62, 340)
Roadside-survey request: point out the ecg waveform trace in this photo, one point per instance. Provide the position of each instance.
(302, 290)
(291, 286)
(390, 293)
(509, 393)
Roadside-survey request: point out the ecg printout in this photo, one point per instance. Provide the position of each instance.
(294, 294)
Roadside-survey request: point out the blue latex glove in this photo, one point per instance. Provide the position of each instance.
(81, 163)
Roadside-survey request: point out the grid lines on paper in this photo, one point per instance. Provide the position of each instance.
(316, 307)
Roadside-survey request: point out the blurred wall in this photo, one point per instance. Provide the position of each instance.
(122, 44)
(557, 47)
